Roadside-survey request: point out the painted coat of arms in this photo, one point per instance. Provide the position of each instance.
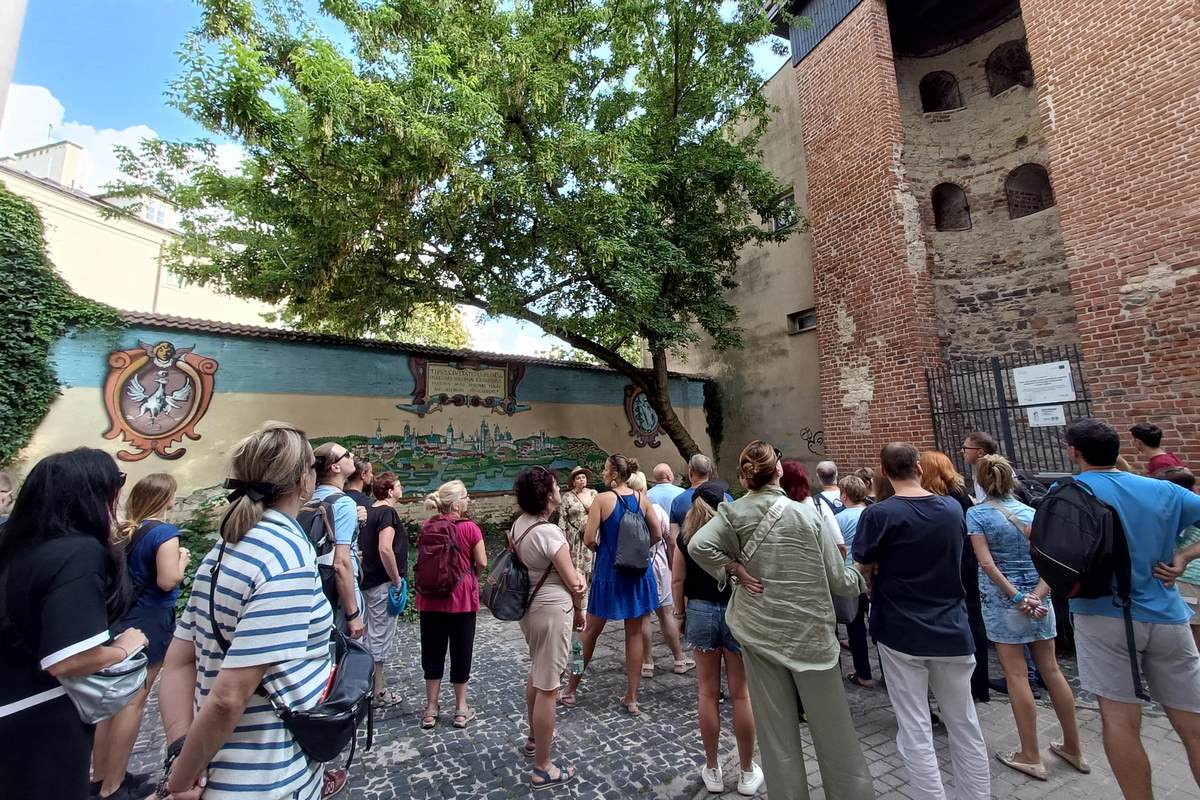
(155, 394)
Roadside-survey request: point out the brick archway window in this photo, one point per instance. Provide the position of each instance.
(1007, 66)
(950, 209)
(1028, 190)
(939, 92)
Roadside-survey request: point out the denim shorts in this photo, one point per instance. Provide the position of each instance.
(706, 630)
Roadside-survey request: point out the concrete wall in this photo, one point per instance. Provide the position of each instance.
(1000, 286)
(769, 389)
(352, 394)
(117, 261)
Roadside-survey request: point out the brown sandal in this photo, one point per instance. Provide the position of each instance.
(462, 716)
(428, 720)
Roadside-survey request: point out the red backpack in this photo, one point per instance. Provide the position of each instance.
(440, 564)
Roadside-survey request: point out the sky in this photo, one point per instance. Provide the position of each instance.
(96, 72)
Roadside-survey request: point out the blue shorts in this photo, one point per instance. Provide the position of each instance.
(157, 623)
(706, 630)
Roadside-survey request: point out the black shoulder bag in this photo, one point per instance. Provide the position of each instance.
(323, 731)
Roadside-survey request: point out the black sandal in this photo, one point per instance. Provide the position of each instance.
(565, 775)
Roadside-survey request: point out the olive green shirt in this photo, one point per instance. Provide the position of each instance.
(792, 621)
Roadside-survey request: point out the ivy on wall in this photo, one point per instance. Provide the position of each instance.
(36, 308)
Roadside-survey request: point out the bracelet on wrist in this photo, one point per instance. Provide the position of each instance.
(354, 616)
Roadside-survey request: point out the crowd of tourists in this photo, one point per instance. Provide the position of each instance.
(311, 569)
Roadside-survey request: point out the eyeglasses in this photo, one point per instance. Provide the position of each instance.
(346, 454)
(971, 448)
(313, 466)
(121, 478)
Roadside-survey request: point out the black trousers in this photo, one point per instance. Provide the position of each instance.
(442, 630)
(856, 633)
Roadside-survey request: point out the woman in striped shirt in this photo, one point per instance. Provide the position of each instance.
(226, 741)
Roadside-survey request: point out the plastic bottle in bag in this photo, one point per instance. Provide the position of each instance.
(576, 653)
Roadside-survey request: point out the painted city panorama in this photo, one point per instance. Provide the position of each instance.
(165, 390)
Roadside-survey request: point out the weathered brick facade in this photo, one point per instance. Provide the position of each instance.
(1119, 91)
(1000, 286)
(874, 299)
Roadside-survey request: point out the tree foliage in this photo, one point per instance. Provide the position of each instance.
(433, 324)
(590, 166)
(37, 308)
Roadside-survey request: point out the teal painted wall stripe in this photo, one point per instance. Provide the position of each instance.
(263, 366)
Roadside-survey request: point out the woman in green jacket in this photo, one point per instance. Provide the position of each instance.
(785, 570)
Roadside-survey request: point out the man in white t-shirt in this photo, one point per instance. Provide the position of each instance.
(827, 474)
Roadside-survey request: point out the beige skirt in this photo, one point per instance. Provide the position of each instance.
(547, 629)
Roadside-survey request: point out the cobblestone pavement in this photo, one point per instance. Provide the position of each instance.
(658, 754)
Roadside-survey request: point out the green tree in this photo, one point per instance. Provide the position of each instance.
(589, 166)
(433, 324)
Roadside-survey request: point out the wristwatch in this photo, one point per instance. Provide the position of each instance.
(173, 751)
(355, 615)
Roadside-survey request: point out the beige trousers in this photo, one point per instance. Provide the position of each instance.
(773, 692)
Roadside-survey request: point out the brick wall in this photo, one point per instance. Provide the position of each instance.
(1000, 286)
(1120, 105)
(874, 299)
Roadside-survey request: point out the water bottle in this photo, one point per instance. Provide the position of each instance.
(576, 653)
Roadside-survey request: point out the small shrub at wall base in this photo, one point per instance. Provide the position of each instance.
(197, 534)
(36, 308)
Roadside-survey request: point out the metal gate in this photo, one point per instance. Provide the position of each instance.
(983, 395)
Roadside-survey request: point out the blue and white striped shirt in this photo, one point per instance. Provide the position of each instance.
(270, 607)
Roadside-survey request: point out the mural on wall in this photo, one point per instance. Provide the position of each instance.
(467, 383)
(486, 458)
(644, 425)
(155, 395)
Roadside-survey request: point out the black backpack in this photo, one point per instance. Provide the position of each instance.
(506, 593)
(316, 520)
(1078, 545)
(633, 540)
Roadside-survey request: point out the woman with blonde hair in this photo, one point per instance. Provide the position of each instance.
(660, 562)
(939, 475)
(1016, 614)
(615, 594)
(785, 570)
(254, 636)
(701, 603)
(155, 564)
(448, 545)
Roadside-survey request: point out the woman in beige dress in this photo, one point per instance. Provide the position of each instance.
(554, 607)
(572, 517)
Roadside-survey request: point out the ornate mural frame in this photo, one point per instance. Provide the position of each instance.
(422, 404)
(642, 436)
(125, 363)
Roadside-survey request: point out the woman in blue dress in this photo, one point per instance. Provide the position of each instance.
(617, 595)
(1016, 612)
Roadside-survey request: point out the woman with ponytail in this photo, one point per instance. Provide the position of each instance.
(617, 595)
(1016, 613)
(155, 564)
(446, 579)
(260, 588)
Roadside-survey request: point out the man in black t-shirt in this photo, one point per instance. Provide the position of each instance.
(909, 547)
(358, 485)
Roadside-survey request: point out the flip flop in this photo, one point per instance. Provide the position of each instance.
(857, 681)
(465, 715)
(1032, 770)
(685, 666)
(1078, 762)
(565, 774)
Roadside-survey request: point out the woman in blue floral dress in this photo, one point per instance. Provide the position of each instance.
(1016, 612)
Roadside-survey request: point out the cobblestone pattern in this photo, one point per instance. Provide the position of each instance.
(657, 756)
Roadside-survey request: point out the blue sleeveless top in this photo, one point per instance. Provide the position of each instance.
(615, 595)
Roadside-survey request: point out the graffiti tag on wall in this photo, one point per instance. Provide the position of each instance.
(155, 394)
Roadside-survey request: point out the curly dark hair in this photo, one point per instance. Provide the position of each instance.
(533, 488)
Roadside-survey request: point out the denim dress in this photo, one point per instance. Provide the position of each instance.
(1010, 552)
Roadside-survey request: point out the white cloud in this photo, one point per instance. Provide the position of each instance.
(33, 116)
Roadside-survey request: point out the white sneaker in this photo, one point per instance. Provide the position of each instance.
(714, 781)
(750, 782)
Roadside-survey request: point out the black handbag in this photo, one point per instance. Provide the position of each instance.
(322, 732)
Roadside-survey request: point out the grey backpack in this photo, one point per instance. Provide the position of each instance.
(633, 540)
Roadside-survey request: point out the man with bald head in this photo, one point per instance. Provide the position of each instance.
(664, 491)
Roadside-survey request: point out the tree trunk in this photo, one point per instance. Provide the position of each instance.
(658, 392)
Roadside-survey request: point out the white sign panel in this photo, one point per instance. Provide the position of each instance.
(1046, 416)
(1044, 383)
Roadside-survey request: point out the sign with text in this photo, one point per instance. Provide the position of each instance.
(1042, 384)
(479, 384)
(1046, 416)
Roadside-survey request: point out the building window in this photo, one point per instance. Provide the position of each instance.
(802, 321)
(939, 92)
(785, 212)
(1007, 66)
(950, 209)
(1028, 190)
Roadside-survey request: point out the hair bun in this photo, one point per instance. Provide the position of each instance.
(633, 465)
(431, 501)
